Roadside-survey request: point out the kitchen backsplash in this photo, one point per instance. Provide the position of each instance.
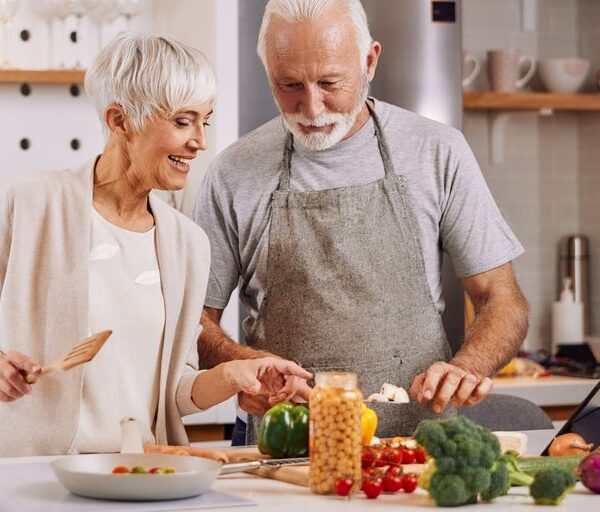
(548, 184)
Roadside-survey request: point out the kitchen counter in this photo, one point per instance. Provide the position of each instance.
(546, 391)
(272, 495)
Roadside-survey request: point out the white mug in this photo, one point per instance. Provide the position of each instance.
(471, 66)
(504, 69)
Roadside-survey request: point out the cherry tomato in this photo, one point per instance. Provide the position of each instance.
(368, 472)
(391, 483)
(154, 470)
(391, 456)
(408, 456)
(409, 482)
(368, 458)
(420, 455)
(343, 486)
(372, 487)
(394, 471)
(120, 469)
(379, 462)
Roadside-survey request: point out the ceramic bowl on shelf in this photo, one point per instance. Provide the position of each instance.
(563, 75)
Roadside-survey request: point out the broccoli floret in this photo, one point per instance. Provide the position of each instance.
(550, 486)
(431, 433)
(446, 464)
(450, 491)
(465, 462)
(476, 479)
(499, 482)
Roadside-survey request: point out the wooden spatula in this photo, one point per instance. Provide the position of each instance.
(80, 353)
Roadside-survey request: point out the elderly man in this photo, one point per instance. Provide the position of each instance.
(335, 216)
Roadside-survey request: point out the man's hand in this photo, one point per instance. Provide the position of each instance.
(268, 381)
(13, 368)
(445, 383)
(294, 390)
(254, 404)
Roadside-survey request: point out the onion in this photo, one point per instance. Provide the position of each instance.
(569, 444)
(589, 472)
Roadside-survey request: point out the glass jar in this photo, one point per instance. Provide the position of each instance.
(334, 433)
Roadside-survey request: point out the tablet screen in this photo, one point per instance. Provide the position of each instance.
(585, 421)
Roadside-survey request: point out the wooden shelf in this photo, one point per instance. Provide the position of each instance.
(52, 76)
(530, 101)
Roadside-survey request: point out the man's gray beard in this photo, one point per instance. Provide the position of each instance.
(342, 124)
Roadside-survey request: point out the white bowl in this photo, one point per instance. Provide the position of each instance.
(563, 75)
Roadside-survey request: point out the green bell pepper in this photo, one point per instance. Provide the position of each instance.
(284, 431)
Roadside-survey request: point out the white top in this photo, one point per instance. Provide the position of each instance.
(125, 295)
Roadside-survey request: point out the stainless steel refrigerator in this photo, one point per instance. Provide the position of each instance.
(419, 70)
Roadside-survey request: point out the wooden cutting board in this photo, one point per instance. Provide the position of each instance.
(297, 475)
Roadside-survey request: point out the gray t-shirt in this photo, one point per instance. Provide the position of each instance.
(453, 206)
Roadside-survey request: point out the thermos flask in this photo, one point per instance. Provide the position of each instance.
(574, 264)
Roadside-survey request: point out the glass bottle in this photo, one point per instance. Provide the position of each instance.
(334, 439)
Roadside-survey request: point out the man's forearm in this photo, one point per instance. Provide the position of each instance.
(215, 347)
(497, 332)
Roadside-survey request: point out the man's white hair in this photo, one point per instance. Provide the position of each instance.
(149, 75)
(307, 10)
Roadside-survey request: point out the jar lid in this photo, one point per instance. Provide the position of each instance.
(344, 380)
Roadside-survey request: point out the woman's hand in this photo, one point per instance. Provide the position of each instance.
(13, 368)
(267, 376)
(258, 382)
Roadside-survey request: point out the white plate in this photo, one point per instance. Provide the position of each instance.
(91, 476)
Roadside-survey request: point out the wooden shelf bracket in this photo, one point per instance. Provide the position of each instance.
(498, 126)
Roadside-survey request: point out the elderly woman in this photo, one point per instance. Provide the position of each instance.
(90, 249)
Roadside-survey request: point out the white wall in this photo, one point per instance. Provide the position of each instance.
(548, 184)
(50, 117)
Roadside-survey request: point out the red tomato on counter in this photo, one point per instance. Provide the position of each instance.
(392, 483)
(343, 486)
(372, 487)
(409, 482)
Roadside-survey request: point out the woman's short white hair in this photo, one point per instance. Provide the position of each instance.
(149, 75)
(306, 10)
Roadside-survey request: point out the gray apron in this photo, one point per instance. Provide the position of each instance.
(346, 289)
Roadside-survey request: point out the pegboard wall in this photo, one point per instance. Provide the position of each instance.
(49, 126)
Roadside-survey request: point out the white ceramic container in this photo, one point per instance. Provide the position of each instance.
(563, 75)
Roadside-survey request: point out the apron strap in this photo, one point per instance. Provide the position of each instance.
(284, 178)
(388, 166)
(384, 150)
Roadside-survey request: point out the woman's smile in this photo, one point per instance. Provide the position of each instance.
(179, 163)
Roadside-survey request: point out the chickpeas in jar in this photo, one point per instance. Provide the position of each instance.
(335, 435)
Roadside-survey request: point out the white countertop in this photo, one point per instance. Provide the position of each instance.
(277, 496)
(546, 391)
